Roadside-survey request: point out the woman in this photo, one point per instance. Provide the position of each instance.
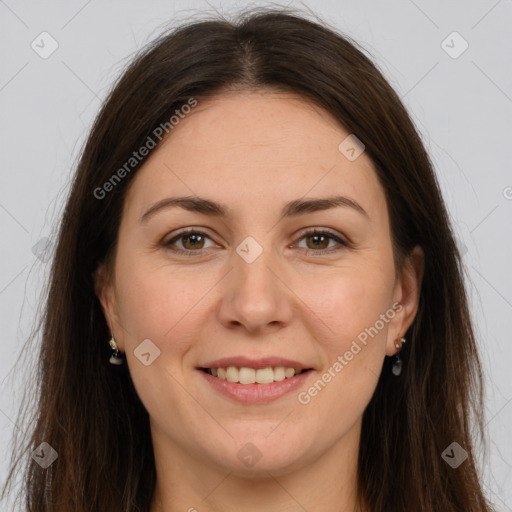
(256, 233)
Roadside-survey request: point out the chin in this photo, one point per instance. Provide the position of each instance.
(258, 457)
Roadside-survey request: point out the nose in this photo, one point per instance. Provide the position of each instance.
(255, 295)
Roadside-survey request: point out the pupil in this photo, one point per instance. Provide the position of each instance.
(317, 237)
(195, 239)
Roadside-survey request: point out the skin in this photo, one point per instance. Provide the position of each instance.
(255, 151)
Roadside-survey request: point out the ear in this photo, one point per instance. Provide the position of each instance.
(105, 291)
(406, 293)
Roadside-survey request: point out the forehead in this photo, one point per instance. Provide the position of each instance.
(251, 148)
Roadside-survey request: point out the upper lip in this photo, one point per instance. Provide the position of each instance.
(264, 362)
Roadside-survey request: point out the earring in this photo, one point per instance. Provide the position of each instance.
(115, 358)
(397, 364)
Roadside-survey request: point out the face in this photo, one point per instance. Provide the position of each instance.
(264, 288)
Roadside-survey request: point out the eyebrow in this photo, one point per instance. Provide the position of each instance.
(213, 209)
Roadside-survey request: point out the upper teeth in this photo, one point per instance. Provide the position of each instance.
(246, 375)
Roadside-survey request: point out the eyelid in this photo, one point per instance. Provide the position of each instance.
(322, 231)
(184, 231)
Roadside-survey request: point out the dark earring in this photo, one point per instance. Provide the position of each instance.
(397, 364)
(115, 358)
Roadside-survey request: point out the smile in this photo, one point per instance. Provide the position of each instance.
(254, 385)
(245, 375)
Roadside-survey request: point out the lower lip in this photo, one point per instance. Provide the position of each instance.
(256, 393)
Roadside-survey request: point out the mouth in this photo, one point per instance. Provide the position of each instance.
(259, 380)
(247, 375)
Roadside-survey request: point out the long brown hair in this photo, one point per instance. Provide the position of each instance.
(89, 411)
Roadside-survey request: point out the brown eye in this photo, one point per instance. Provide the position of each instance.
(191, 241)
(317, 242)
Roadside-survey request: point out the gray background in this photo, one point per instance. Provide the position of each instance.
(462, 107)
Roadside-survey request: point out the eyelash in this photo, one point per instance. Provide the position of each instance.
(312, 232)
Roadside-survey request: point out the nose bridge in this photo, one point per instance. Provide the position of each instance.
(256, 297)
(252, 264)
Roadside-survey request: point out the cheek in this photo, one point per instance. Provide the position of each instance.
(354, 352)
(156, 302)
(352, 304)
(349, 301)
(159, 305)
